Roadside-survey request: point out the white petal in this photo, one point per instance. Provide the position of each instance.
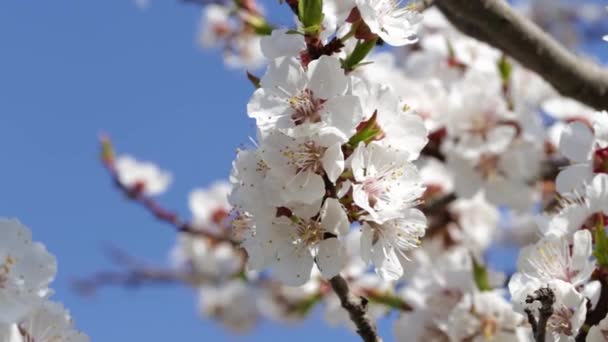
(331, 257)
(576, 142)
(326, 77)
(344, 113)
(573, 178)
(334, 217)
(305, 187)
(293, 265)
(367, 236)
(284, 75)
(280, 43)
(333, 162)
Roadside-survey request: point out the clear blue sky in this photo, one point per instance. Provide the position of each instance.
(71, 69)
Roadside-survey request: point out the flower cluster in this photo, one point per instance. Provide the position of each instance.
(26, 271)
(333, 149)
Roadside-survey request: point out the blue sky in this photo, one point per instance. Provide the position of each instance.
(71, 69)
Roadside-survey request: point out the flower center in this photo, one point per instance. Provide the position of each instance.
(306, 107)
(378, 187)
(488, 166)
(559, 322)
(306, 156)
(310, 232)
(554, 261)
(5, 269)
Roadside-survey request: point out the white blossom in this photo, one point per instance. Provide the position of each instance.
(143, 176)
(396, 25)
(26, 270)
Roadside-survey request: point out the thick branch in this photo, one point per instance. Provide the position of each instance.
(546, 297)
(357, 310)
(496, 23)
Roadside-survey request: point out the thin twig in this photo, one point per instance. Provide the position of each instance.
(357, 310)
(496, 23)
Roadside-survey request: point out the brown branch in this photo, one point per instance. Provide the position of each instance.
(496, 23)
(596, 315)
(546, 297)
(357, 310)
(131, 278)
(422, 5)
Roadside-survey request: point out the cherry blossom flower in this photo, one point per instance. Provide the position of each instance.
(291, 96)
(142, 176)
(396, 25)
(26, 270)
(385, 182)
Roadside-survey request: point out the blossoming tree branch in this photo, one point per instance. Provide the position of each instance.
(396, 146)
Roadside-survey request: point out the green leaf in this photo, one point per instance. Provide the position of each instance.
(367, 133)
(390, 300)
(310, 13)
(505, 68)
(480, 274)
(361, 50)
(303, 307)
(601, 242)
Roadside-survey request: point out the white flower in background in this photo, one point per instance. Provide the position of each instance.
(578, 142)
(506, 178)
(244, 52)
(477, 222)
(298, 162)
(385, 243)
(215, 26)
(437, 285)
(385, 182)
(297, 242)
(396, 25)
(485, 316)
(335, 13)
(291, 96)
(141, 176)
(289, 303)
(281, 43)
(48, 322)
(478, 118)
(233, 304)
(205, 261)
(241, 46)
(26, 269)
(436, 177)
(209, 206)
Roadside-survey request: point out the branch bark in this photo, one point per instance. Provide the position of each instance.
(546, 297)
(357, 310)
(496, 23)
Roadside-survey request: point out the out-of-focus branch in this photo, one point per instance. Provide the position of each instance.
(496, 23)
(357, 310)
(135, 277)
(137, 195)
